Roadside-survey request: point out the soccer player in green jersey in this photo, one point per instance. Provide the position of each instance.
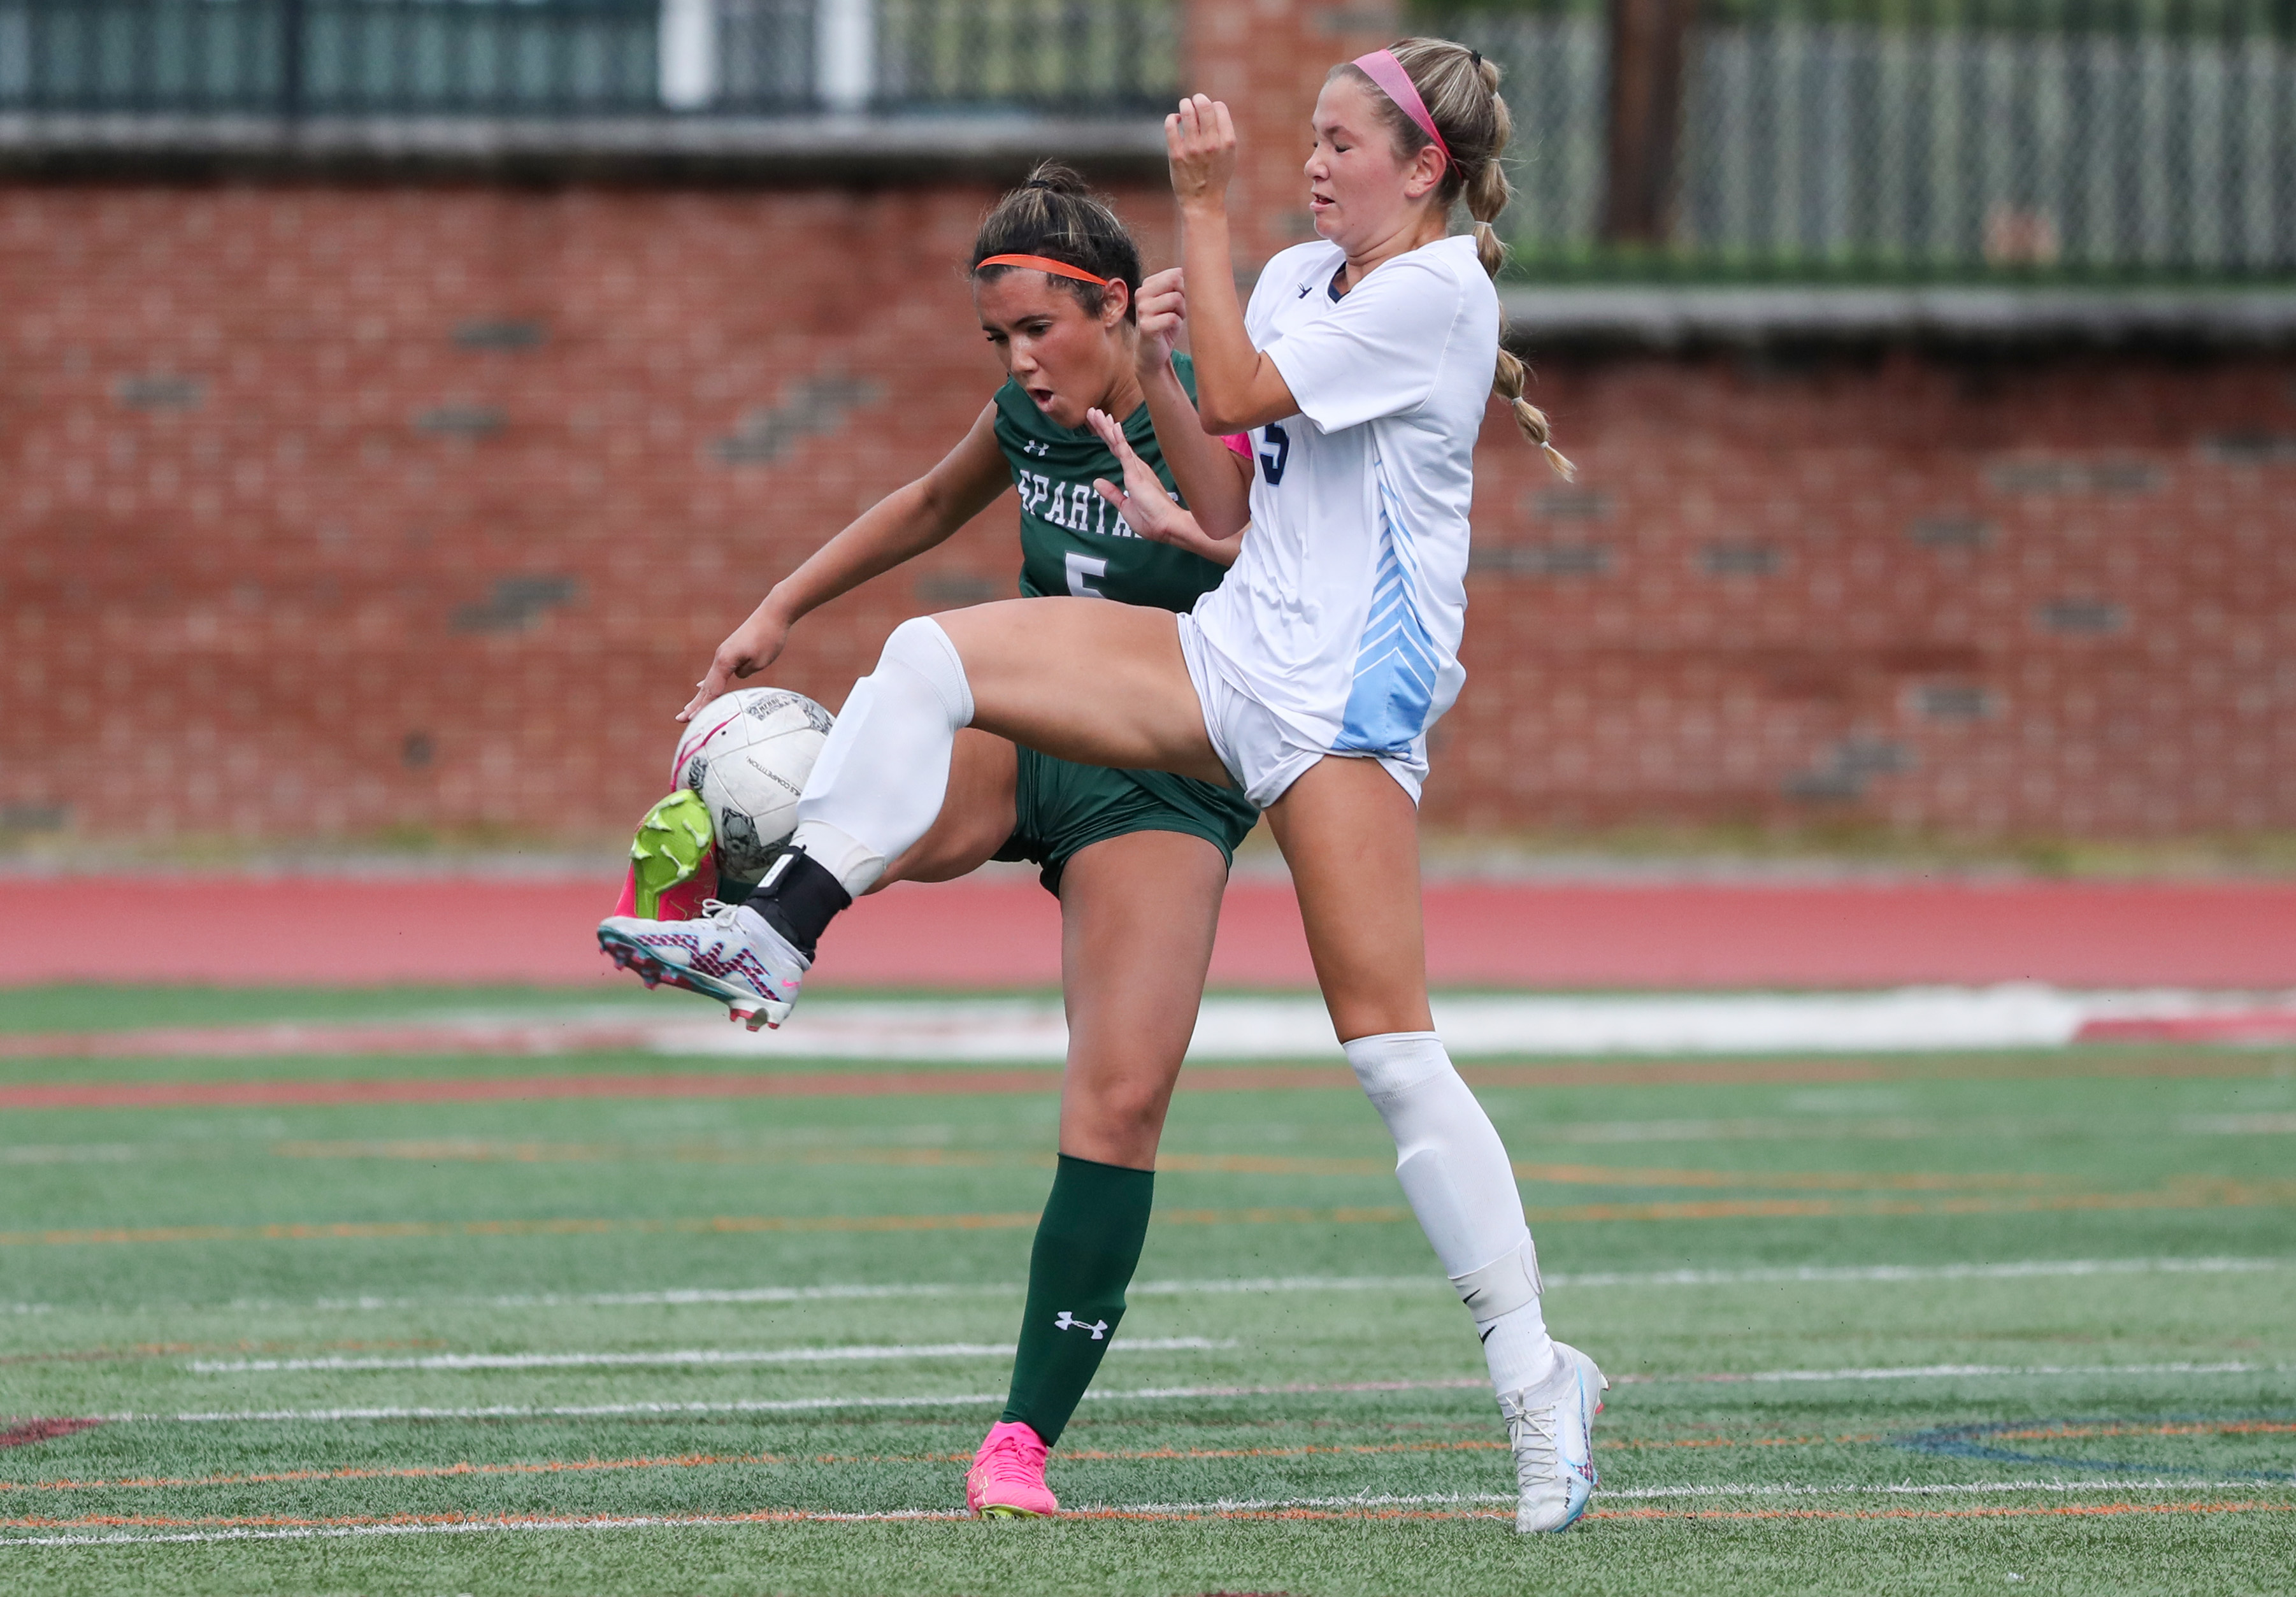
(1137, 858)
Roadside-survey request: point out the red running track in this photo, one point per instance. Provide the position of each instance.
(1004, 933)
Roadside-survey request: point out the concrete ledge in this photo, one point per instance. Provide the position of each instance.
(752, 148)
(1664, 318)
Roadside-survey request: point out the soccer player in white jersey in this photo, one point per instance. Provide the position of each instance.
(1308, 679)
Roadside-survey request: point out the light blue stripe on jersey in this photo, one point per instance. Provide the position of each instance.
(1396, 663)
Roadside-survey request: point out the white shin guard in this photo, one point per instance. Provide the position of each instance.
(1456, 1172)
(878, 785)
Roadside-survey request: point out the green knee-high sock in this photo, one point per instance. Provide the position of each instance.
(1088, 1245)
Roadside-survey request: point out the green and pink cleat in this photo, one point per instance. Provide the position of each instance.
(671, 928)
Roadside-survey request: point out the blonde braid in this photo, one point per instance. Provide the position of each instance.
(1462, 92)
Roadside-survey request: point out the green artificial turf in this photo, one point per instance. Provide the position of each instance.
(1929, 1415)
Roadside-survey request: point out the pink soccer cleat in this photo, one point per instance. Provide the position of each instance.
(1007, 1477)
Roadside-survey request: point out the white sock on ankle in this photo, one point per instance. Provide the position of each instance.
(1454, 1170)
(881, 779)
(1518, 1349)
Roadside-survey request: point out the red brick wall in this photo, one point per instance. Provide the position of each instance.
(2018, 595)
(296, 537)
(267, 498)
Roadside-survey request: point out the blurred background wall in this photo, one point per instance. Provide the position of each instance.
(399, 398)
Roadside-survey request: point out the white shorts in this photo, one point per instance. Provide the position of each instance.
(1264, 754)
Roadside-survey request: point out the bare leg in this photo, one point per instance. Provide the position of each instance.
(1350, 835)
(976, 817)
(1137, 915)
(1082, 679)
(1100, 683)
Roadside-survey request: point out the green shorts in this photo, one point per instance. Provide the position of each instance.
(1059, 807)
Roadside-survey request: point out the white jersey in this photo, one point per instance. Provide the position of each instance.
(1344, 614)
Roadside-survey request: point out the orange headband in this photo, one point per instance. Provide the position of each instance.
(1058, 268)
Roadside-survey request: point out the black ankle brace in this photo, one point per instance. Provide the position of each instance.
(799, 898)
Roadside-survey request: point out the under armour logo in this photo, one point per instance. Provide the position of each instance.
(1068, 1322)
(1303, 290)
(1030, 447)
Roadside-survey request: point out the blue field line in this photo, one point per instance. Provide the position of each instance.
(1966, 1441)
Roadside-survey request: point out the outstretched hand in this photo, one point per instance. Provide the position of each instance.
(1200, 144)
(1161, 306)
(753, 646)
(1146, 507)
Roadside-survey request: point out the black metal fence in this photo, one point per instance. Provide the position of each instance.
(1909, 139)
(1860, 139)
(1113, 56)
(556, 58)
(321, 57)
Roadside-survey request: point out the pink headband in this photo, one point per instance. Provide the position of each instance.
(1384, 70)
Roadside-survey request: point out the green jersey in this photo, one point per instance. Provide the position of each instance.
(1072, 541)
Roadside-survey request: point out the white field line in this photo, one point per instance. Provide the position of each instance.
(1914, 1019)
(478, 1527)
(1216, 1506)
(1957, 1371)
(1243, 1028)
(773, 1405)
(680, 1355)
(2019, 1270)
(784, 1405)
(682, 1297)
(508, 1411)
(1238, 1027)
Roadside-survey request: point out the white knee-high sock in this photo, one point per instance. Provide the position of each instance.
(881, 779)
(1456, 1172)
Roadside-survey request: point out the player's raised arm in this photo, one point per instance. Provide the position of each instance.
(904, 524)
(1213, 477)
(1237, 388)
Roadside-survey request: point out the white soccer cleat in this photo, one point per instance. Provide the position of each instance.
(730, 954)
(1552, 1426)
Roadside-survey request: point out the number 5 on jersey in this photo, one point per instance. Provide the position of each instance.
(1274, 450)
(1081, 565)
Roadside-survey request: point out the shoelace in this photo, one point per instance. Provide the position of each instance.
(718, 909)
(1532, 1435)
(1014, 1454)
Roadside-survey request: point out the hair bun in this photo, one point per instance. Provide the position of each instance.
(1057, 177)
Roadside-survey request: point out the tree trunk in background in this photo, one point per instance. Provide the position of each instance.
(1647, 44)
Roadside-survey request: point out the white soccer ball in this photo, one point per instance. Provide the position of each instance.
(748, 754)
